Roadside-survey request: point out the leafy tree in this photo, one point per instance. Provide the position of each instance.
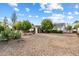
(14, 17)
(26, 25)
(46, 25)
(68, 27)
(76, 25)
(17, 25)
(76, 21)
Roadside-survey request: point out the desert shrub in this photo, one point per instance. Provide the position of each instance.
(5, 34)
(17, 35)
(1, 28)
(9, 34)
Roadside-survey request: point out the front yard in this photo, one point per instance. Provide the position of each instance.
(42, 44)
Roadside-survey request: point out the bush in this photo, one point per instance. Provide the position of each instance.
(1, 28)
(57, 31)
(17, 35)
(9, 34)
(54, 31)
(5, 34)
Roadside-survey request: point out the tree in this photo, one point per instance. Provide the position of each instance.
(68, 27)
(14, 17)
(26, 25)
(5, 21)
(76, 26)
(46, 25)
(17, 25)
(76, 21)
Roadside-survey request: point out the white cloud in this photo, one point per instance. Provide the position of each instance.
(16, 9)
(69, 13)
(56, 18)
(70, 17)
(76, 6)
(36, 16)
(43, 17)
(76, 12)
(46, 11)
(27, 9)
(13, 4)
(19, 14)
(30, 16)
(50, 6)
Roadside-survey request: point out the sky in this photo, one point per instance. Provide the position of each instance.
(36, 12)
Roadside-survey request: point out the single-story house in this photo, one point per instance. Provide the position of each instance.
(57, 26)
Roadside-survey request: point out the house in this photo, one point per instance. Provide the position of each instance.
(59, 26)
(35, 29)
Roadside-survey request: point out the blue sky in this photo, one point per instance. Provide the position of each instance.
(36, 12)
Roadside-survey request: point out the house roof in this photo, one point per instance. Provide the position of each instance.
(59, 24)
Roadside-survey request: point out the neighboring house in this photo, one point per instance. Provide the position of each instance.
(35, 29)
(59, 26)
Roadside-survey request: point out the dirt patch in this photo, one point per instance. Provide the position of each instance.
(42, 44)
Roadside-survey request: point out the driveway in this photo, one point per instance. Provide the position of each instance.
(42, 45)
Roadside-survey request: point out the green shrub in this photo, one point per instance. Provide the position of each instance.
(1, 28)
(5, 34)
(57, 31)
(17, 35)
(60, 31)
(9, 34)
(54, 31)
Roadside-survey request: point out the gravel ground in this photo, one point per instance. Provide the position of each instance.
(42, 45)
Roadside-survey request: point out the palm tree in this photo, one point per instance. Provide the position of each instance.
(14, 17)
(5, 22)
